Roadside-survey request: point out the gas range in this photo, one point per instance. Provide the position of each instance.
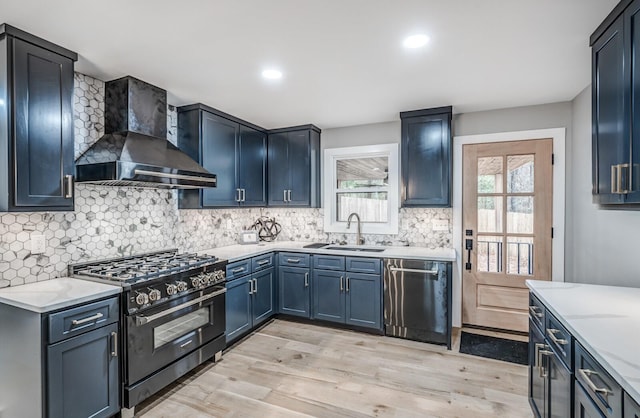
(154, 278)
(172, 315)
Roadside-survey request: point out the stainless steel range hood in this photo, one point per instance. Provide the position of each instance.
(134, 151)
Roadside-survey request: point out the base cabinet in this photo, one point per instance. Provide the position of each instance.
(294, 291)
(341, 294)
(82, 375)
(250, 298)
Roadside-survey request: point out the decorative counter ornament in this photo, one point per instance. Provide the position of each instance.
(268, 229)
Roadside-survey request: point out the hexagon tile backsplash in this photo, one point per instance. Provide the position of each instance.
(115, 221)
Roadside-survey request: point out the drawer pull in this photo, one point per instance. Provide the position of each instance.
(263, 262)
(534, 312)
(293, 260)
(92, 318)
(552, 335)
(238, 270)
(586, 375)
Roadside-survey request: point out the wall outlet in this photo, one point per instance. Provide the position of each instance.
(440, 224)
(38, 244)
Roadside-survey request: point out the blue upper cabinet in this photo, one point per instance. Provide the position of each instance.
(36, 133)
(234, 150)
(616, 107)
(294, 166)
(426, 157)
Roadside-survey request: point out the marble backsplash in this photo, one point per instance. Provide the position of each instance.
(116, 221)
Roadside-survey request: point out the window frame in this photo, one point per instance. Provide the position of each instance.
(331, 156)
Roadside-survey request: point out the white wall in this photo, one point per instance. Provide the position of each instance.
(604, 248)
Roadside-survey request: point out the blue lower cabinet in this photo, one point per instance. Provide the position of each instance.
(82, 375)
(363, 296)
(348, 298)
(294, 291)
(263, 296)
(238, 307)
(328, 295)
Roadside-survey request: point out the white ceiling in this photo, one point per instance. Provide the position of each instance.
(342, 60)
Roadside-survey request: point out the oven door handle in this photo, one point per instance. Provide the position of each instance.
(142, 320)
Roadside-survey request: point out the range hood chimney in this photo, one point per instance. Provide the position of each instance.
(134, 150)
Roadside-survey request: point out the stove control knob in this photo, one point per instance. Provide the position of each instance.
(182, 286)
(154, 295)
(219, 274)
(196, 282)
(142, 298)
(171, 289)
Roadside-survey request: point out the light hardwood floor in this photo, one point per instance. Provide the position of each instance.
(289, 369)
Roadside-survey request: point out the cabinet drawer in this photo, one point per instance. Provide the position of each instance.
(536, 311)
(631, 408)
(76, 321)
(262, 262)
(559, 338)
(328, 262)
(238, 269)
(364, 265)
(592, 376)
(294, 259)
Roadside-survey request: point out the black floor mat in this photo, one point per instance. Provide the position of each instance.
(495, 348)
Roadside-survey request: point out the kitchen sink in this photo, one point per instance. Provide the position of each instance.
(343, 248)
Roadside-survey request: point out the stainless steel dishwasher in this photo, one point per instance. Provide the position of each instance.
(417, 300)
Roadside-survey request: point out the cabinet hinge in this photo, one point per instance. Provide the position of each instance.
(553, 159)
(552, 232)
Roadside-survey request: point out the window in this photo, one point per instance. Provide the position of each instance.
(363, 180)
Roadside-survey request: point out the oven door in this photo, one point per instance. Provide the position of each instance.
(166, 332)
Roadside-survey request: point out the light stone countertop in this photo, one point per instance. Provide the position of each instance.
(605, 320)
(240, 252)
(54, 294)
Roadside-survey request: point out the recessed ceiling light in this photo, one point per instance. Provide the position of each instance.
(272, 74)
(415, 41)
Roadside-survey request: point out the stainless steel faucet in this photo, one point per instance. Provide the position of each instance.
(359, 239)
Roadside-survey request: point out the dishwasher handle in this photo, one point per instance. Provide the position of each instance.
(406, 270)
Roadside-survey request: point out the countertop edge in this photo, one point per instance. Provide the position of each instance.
(374, 254)
(62, 304)
(635, 394)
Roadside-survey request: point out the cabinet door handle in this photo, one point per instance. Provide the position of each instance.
(87, 319)
(114, 344)
(348, 280)
(586, 375)
(244, 194)
(534, 312)
(68, 186)
(284, 195)
(341, 283)
(542, 351)
(289, 195)
(552, 336)
(237, 195)
(250, 287)
(255, 286)
(306, 280)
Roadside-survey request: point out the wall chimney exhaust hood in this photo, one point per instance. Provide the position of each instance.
(134, 150)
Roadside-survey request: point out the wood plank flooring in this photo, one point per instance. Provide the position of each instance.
(289, 369)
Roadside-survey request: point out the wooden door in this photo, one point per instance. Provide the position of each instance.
(507, 220)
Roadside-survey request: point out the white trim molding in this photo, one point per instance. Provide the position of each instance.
(558, 135)
(331, 155)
